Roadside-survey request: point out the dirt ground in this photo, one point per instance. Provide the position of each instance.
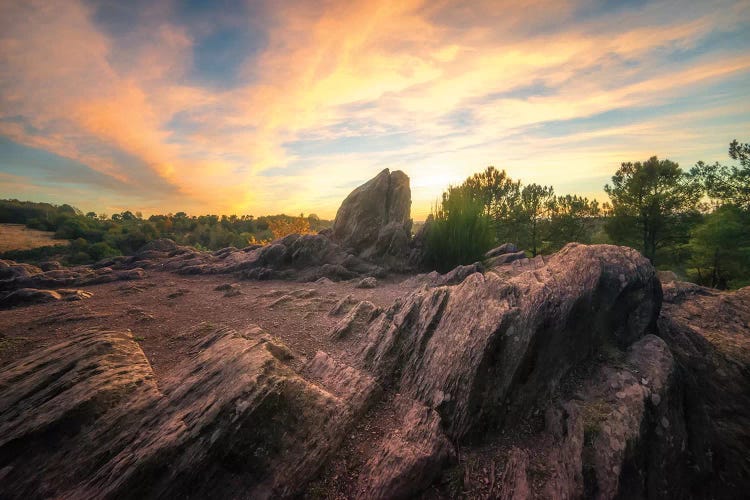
(160, 307)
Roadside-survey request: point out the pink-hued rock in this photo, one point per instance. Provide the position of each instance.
(564, 376)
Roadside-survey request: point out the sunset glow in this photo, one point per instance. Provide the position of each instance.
(264, 107)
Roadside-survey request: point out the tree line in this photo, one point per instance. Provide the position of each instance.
(96, 236)
(695, 222)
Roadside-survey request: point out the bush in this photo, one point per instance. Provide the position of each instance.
(461, 232)
(101, 250)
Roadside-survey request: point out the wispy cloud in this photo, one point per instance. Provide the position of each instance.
(284, 106)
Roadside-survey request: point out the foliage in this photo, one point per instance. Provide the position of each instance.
(720, 249)
(501, 197)
(572, 218)
(461, 230)
(727, 184)
(94, 237)
(536, 202)
(532, 216)
(285, 226)
(652, 205)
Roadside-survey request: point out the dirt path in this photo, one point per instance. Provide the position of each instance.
(162, 306)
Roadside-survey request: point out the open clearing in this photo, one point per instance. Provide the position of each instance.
(20, 237)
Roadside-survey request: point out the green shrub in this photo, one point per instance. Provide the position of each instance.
(461, 232)
(101, 250)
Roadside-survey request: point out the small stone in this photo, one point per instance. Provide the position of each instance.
(226, 286)
(368, 282)
(655, 399)
(665, 422)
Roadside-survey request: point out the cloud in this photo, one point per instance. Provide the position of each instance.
(267, 106)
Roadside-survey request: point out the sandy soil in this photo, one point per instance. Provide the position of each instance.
(20, 237)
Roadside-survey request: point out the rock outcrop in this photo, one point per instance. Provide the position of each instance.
(708, 333)
(25, 296)
(370, 237)
(295, 257)
(552, 377)
(23, 284)
(491, 348)
(374, 221)
(87, 417)
(14, 276)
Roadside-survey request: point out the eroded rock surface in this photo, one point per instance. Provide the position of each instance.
(15, 275)
(709, 334)
(464, 350)
(308, 257)
(87, 417)
(554, 377)
(24, 284)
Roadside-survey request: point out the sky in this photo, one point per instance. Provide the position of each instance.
(272, 106)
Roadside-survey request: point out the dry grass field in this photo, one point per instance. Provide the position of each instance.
(20, 237)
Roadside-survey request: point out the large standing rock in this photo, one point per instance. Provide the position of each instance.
(374, 220)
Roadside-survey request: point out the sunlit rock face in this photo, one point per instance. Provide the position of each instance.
(374, 221)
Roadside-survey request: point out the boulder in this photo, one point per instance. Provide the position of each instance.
(374, 220)
(505, 258)
(501, 250)
(50, 265)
